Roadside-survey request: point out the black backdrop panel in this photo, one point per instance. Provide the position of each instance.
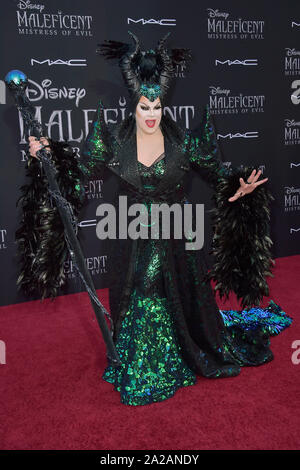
(246, 66)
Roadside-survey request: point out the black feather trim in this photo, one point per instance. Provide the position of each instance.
(112, 49)
(241, 242)
(41, 246)
(179, 56)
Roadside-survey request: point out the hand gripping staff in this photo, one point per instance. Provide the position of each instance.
(17, 83)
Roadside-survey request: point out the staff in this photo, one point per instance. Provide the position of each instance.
(17, 83)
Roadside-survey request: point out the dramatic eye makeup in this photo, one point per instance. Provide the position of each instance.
(146, 108)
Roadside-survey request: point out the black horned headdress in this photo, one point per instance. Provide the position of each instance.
(146, 73)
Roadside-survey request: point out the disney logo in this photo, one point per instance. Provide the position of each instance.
(217, 14)
(26, 5)
(37, 92)
(218, 91)
(290, 52)
(291, 190)
(291, 123)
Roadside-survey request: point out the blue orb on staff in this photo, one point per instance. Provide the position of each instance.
(16, 79)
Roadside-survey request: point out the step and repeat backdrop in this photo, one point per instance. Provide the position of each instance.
(246, 67)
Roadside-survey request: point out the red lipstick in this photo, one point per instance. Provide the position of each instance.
(150, 123)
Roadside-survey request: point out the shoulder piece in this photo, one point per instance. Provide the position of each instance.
(97, 147)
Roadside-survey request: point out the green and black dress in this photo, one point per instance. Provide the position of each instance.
(153, 366)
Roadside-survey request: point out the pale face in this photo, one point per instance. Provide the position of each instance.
(148, 115)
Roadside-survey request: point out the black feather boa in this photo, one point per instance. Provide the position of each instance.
(241, 243)
(41, 246)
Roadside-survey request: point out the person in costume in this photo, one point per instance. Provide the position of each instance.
(167, 326)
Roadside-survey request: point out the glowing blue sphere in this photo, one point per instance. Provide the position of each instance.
(15, 77)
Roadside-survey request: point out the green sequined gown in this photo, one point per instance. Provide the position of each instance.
(153, 367)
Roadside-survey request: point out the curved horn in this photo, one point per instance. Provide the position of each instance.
(166, 63)
(137, 49)
(129, 73)
(162, 41)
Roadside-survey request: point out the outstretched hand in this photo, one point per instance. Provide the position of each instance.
(246, 188)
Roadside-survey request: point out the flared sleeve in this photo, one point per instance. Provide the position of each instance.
(241, 242)
(41, 246)
(204, 154)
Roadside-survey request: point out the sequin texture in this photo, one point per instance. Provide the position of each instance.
(152, 366)
(169, 329)
(272, 319)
